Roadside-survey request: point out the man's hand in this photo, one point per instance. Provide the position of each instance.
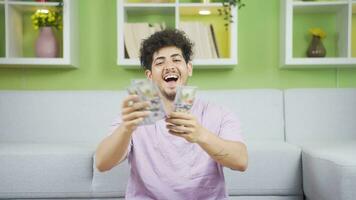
(228, 153)
(113, 149)
(133, 112)
(184, 125)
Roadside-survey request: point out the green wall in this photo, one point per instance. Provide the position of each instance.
(259, 40)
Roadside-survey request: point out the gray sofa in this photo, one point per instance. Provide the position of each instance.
(301, 142)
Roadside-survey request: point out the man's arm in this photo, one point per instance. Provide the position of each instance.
(113, 149)
(228, 153)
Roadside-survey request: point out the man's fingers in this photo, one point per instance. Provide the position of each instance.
(180, 115)
(135, 115)
(129, 99)
(176, 133)
(135, 122)
(135, 106)
(179, 129)
(180, 122)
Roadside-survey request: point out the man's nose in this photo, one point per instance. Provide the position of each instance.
(170, 66)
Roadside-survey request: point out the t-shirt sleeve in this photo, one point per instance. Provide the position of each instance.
(114, 125)
(230, 127)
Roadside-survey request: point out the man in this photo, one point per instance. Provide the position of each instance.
(180, 157)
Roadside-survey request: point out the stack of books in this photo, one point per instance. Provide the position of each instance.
(201, 34)
(203, 37)
(134, 33)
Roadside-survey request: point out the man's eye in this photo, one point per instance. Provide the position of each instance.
(176, 60)
(159, 63)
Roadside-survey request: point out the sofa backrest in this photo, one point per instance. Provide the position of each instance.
(57, 116)
(85, 116)
(260, 111)
(320, 114)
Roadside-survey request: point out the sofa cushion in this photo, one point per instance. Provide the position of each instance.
(299, 197)
(111, 183)
(45, 170)
(263, 177)
(274, 169)
(260, 111)
(320, 115)
(329, 170)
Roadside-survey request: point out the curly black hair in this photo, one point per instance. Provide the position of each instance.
(165, 38)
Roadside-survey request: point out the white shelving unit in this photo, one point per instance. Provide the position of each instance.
(177, 11)
(17, 17)
(341, 12)
(2, 28)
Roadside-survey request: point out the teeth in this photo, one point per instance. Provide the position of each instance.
(170, 76)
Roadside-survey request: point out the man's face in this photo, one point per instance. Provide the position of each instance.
(169, 70)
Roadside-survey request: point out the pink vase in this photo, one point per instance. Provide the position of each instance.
(46, 44)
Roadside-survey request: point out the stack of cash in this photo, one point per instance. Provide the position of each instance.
(184, 99)
(148, 91)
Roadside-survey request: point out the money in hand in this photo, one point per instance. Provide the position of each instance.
(184, 99)
(148, 91)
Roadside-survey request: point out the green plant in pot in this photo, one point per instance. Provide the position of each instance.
(228, 5)
(45, 20)
(316, 47)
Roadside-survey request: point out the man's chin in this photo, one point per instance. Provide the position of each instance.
(170, 95)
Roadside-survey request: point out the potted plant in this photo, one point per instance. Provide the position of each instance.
(226, 10)
(44, 20)
(316, 47)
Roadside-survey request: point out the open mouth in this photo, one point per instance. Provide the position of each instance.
(171, 78)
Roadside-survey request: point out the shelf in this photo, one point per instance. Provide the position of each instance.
(21, 37)
(150, 5)
(353, 30)
(223, 37)
(35, 1)
(34, 4)
(172, 14)
(148, 1)
(144, 14)
(318, 3)
(334, 43)
(201, 63)
(298, 17)
(32, 7)
(21, 42)
(199, 5)
(322, 61)
(2, 31)
(320, 8)
(40, 62)
(199, 1)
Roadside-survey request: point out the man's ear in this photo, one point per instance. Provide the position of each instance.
(190, 68)
(148, 74)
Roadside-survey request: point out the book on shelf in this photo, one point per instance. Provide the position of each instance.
(134, 33)
(213, 37)
(203, 37)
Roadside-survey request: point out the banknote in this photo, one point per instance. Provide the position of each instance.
(184, 99)
(148, 91)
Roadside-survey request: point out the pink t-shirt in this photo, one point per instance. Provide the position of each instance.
(164, 166)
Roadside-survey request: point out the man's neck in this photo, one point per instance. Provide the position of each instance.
(168, 105)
